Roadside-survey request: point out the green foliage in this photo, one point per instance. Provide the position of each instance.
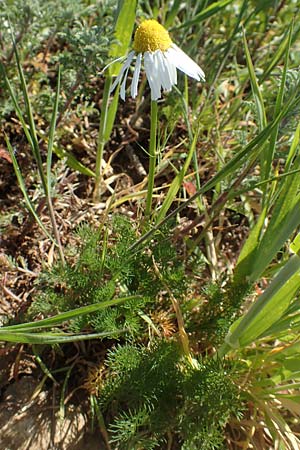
(64, 31)
(152, 392)
(221, 307)
(210, 398)
(240, 126)
(85, 49)
(98, 271)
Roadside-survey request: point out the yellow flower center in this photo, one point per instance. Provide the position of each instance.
(151, 36)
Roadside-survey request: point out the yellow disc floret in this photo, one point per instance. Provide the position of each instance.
(151, 36)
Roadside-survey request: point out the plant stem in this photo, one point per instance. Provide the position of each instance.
(48, 170)
(152, 156)
(101, 139)
(54, 227)
(183, 337)
(101, 422)
(32, 138)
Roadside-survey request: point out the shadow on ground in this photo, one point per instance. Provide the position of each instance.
(32, 424)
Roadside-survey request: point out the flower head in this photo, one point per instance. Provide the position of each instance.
(151, 36)
(162, 58)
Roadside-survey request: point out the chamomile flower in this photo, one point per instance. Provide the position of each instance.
(162, 58)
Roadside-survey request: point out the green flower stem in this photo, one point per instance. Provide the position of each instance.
(152, 156)
(101, 139)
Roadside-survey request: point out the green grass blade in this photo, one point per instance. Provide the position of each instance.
(293, 148)
(278, 106)
(231, 41)
(34, 140)
(276, 235)
(65, 316)
(267, 309)
(111, 115)
(72, 162)
(16, 106)
(252, 150)
(123, 32)
(280, 52)
(260, 108)
(212, 9)
(50, 338)
(48, 171)
(247, 257)
(177, 181)
(260, 250)
(257, 185)
(252, 265)
(283, 326)
(51, 135)
(173, 13)
(249, 153)
(43, 366)
(22, 186)
(257, 95)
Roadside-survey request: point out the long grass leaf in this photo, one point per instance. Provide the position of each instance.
(279, 53)
(212, 9)
(68, 315)
(33, 132)
(249, 153)
(51, 338)
(260, 108)
(293, 148)
(252, 150)
(51, 134)
(72, 162)
(16, 106)
(267, 309)
(177, 182)
(48, 171)
(111, 115)
(284, 221)
(247, 258)
(278, 106)
(22, 186)
(123, 32)
(257, 95)
(259, 248)
(177, 4)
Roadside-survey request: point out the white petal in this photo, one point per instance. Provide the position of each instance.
(172, 70)
(123, 85)
(184, 63)
(151, 73)
(136, 74)
(164, 72)
(112, 62)
(148, 68)
(123, 69)
(157, 69)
